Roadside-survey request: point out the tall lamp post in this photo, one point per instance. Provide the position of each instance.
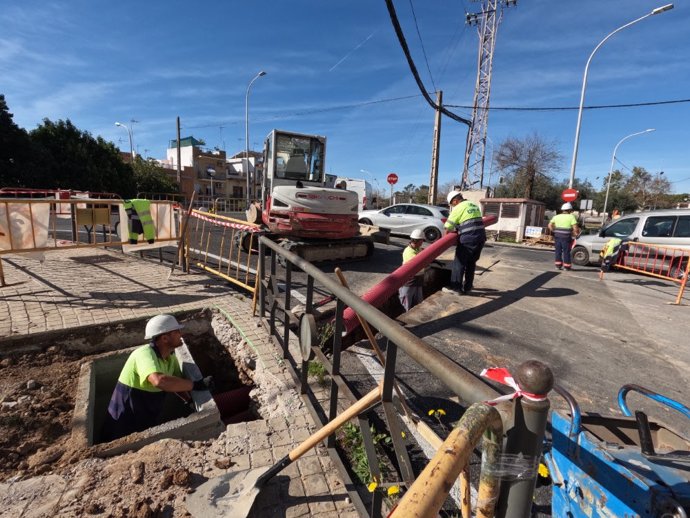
(131, 142)
(658, 10)
(246, 134)
(613, 159)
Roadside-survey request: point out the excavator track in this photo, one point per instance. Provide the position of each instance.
(319, 250)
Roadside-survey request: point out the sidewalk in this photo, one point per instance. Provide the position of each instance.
(75, 288)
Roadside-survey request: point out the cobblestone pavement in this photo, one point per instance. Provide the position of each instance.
(82, 287)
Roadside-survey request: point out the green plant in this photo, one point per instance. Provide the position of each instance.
(318, 371)
(326, 332)
(352, 442)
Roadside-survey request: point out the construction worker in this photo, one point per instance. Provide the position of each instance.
(411, 293)
(609, 255)
(150, 371)
(466, 219)
(564, 227)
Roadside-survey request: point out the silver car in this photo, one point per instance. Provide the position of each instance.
(403, 218)
(666, 228)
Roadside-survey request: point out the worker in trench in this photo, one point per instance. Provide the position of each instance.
(410, 293)
(150, 371)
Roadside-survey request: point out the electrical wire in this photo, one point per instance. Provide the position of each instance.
(413, 68)
(563, 108)
(395, 99)
(419, 35)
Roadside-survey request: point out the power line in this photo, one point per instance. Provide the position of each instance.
(414, 16)
(563, 108)
(404, 98)
(413, 68)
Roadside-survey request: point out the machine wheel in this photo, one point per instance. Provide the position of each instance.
(431, 234)
(580, 256)
(365, 221)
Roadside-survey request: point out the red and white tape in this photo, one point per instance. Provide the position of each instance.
(238, 226)
(503, 376)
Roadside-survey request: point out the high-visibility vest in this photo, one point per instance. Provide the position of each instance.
(140, 220)
(563, 224)
(466, 218)
(611, 247)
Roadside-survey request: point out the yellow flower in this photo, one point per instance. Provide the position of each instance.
(403, 434)
(393, 490)
(372, 487)
(431, 412)
(543, 470)
(441, 411)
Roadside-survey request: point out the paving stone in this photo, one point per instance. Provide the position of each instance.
(315, 484)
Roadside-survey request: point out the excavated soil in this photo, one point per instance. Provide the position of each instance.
(39, 462)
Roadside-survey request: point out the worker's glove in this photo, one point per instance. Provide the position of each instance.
(204, 384)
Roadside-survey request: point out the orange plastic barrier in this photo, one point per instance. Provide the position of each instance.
(664, 262)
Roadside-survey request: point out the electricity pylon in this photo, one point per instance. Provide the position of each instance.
(487, 22)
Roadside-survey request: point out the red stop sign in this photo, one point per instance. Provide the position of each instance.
(569, 195)
(392, 178)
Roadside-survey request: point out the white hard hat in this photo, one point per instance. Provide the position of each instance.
(452, 195)
(161, 324)
(566, 206)
(417, 234)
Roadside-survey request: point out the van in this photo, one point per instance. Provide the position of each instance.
(363, 189)
(662, 227)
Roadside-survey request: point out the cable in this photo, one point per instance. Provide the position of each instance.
(394, 99)
(595, 107)
(413, 68)
(419, 35)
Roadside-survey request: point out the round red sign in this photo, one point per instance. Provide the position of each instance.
(392, 178)
(569, 195)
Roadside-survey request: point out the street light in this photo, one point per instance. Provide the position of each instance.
(131, 142)
(658, 10)
(246, 133)
(613, 159)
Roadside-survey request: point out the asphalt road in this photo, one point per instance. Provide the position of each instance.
(595, 335)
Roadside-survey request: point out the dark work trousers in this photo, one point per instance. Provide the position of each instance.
(563, 252)
(466, 257)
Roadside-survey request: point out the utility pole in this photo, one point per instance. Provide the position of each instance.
(179, 156)
(487, 22)
(433, 177)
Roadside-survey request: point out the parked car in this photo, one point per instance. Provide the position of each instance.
(662, 227)
(403, 218)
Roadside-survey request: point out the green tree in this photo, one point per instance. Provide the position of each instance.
(73, 159)
(149, 177)
(527, 166)
(16, 151)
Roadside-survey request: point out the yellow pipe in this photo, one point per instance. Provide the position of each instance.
(428, 492)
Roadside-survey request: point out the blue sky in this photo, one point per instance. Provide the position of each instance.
(335, 68)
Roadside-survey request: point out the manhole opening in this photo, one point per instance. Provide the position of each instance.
(202, 355)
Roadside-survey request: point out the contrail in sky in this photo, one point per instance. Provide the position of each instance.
(352, 51)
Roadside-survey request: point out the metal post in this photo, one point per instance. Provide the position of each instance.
(613, 159)
(246, 135)
(526, 438)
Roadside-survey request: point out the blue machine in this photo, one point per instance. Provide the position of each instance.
(603, 467)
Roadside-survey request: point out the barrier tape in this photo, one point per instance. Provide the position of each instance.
(229, 224)
(503, 376)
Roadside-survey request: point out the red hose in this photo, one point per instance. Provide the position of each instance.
(382, 291)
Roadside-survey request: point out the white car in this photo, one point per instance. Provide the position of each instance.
(403, 218)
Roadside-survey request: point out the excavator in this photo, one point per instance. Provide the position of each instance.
(316, 222)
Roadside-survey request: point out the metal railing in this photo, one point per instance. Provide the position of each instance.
(524, 419)
(663, 262)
